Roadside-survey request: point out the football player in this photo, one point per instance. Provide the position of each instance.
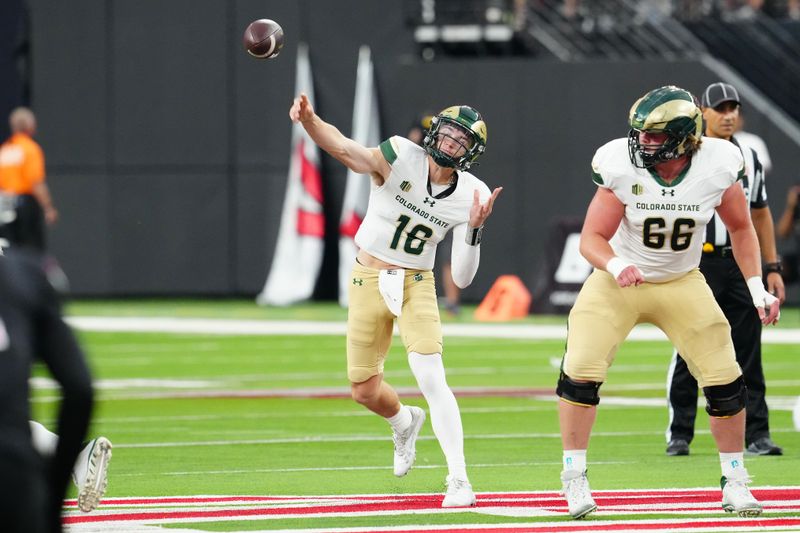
(417, 195)
(643, 233)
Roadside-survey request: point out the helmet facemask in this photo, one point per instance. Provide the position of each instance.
(456, 137)
(649, 155)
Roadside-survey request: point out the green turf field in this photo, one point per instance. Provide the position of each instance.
(195, 414)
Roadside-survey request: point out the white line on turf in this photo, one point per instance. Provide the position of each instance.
(208, 326)
(347, 468)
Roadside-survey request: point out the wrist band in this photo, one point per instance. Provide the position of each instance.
(777, 267)
(473, 237)
(615, 266)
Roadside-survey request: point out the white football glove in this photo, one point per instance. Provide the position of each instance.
(761, 297)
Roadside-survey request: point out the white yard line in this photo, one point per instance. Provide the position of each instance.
(227, 472)
(211, 326)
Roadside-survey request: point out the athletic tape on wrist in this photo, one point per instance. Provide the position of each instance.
(759, 294)
(615, 266)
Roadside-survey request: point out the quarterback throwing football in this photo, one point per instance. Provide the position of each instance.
(643, 233)
(417, 195)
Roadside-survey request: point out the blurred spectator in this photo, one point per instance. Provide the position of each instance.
(793, 9)
(452, 294)
(22, 178)
(740, 9)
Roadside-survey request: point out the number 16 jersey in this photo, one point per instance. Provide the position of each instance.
(405, 220)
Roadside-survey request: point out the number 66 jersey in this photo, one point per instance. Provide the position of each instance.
(664, 223)
(405, 217)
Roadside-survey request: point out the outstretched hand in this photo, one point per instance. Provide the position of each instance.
(301, 110)
(480, 212)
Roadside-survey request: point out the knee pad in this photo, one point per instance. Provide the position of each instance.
(726, 400)
(585, 394)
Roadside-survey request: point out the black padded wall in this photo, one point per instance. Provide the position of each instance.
(168, 146)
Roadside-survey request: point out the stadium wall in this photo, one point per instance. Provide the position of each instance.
(168, 147)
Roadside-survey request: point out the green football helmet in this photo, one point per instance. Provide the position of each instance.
(466, 119)
(669, 110)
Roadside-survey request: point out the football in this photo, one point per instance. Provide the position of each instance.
(263, 38)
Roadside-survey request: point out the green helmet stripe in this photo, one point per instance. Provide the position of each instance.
(669, 110)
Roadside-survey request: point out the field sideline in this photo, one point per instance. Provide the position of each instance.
(243, 423)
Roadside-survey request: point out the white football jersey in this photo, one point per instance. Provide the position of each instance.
(663, 227)
(404, 221)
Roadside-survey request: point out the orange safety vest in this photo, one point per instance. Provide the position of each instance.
(21, 165)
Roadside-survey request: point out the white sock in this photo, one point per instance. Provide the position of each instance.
(445, 416)
(575, 460)
(732, 464)
(402, 420)
(44, 441)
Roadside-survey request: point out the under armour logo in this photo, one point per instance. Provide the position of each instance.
(428, 200)
(665, 192)
(358, 281)
(418, 277)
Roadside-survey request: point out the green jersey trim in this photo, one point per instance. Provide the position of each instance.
(674, 182)
(388, 151)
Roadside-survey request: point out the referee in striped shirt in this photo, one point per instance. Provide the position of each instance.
(720, 104)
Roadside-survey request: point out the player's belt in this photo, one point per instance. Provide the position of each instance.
(717, 251)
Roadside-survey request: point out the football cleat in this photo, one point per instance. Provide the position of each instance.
(575, 488)
(459, 493)
(678, 447)
(91, 473)
(405, 450)
(763, 446)
(736, 497)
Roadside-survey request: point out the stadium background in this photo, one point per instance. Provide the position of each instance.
(168, 147)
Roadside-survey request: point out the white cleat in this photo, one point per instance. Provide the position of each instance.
(91, 473)
(575, 487)
(736, 497)
(459, 493)
(405, 450)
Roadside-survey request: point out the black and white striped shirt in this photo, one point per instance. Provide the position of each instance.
(755, 191)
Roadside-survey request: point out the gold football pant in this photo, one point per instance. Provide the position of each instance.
(370, 323)
(684, 309)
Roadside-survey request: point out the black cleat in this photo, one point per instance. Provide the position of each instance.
(678, 447)
(763, 446)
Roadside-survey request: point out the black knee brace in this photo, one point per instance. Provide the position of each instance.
(576, 392)
(726, 400)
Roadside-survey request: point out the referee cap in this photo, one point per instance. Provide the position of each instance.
(719, 92)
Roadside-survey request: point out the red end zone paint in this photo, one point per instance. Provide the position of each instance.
(651, 501)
